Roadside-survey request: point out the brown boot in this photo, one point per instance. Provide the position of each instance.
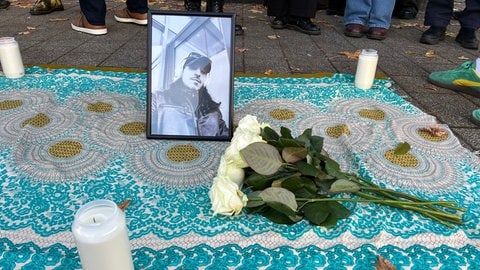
(46, 6)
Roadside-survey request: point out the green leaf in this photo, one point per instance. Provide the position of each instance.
(290, 142)
(254, 203)
(339, 210)
(298, 183)
(402, 148)
(268, 134)
(316, 212)
(294, 154)
(278, 217)
(344, 185)
(286, 133)
(330, 222)
(258, 182)
(333, 169)
(307, 169)
(279, 195)
(263, 158)
(305, 136)
(316, 143)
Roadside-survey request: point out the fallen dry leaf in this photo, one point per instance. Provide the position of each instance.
(351, 55)
(57, 19)
(435, 131)
(124, 204)
(295, 69)
(430, 86)
(31, 28)
(450, 34)
(268, 72)
(410, 52)
(273, 36)
(463, 58)
(24, 33)
(241, 50)
(430, 53)
(383, 264)
(255, 11)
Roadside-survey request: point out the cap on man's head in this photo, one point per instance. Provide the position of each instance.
(195, 60)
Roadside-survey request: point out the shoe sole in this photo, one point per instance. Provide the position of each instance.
(457, 88)
(468, 45)
(96, 32)
(353, 34)
(431, 41)
(46, 11)
(299, 29)
(278, 26)
(131, 20)
(375, 37)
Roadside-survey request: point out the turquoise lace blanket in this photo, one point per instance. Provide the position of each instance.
(68, 136)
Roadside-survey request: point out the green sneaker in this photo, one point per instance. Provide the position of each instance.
(476, 116)
(462, 79)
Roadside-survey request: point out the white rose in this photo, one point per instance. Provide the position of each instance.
(231, 172)
(247, 132)
(226, 197)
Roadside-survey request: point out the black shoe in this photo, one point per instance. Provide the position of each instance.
(304, 25)
(4, 4)
(279, 23)
(466, 37)
(407, 13)
(238, 30)
(433, 35)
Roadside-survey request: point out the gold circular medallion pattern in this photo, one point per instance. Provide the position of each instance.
(133, 128)
(10, 104)
(405, 160)
(39, 120)
(429, 137)
(65, 149)
(337, 131)
(183, 153)
(100, 107)
(282, 114)
(372, 114)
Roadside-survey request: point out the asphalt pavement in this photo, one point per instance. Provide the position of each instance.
(49, 39)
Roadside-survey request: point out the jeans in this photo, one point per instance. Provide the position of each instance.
(374, 13)
(95, 10)
(439, 12)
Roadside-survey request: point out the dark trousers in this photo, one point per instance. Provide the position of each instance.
(439, 12)
(298, 8)
(95, 10)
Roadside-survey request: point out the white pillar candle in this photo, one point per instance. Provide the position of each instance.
(10, 58)
(101, 235)
(366, 68)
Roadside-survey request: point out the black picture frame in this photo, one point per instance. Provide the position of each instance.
(190, 75)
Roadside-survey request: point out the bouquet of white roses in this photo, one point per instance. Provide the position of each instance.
(290, 179)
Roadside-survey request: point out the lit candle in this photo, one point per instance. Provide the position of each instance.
(101, 235)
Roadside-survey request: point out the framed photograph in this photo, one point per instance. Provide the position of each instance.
(190, 75)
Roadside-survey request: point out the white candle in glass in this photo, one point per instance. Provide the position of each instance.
(366, 68)
(101, 235)
(10, 58)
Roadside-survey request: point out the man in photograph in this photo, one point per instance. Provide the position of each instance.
(186, 107)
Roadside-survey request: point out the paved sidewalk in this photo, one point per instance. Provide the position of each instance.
(48, 39)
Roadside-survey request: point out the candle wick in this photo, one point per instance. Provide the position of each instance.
(94, 221)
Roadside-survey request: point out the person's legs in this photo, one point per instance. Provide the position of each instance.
(279, 10)
(92, 19)
(381, 13)
(137, 6)
(135, 12)
(437, 15)
(300, 13)
(217, 6)
(356, 17)
(357, 12)
(469, 20)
